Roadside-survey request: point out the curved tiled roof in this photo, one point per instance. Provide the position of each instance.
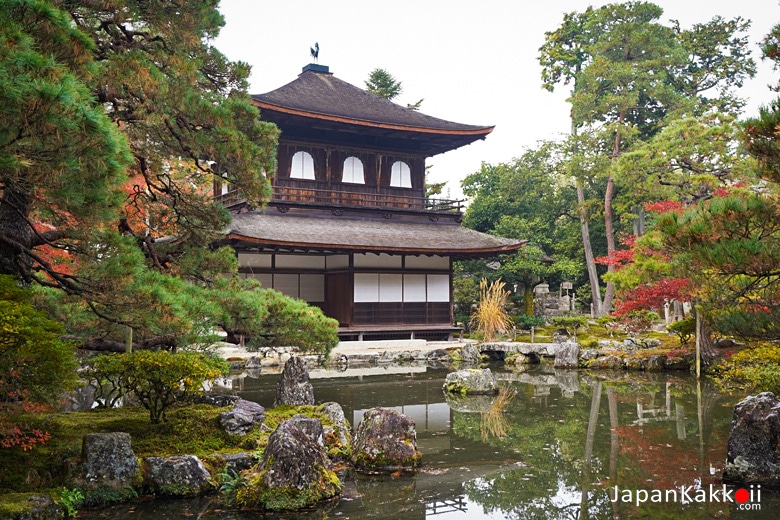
(321, 95)
(310, 232)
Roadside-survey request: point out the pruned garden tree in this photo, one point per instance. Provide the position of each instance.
(116, 118)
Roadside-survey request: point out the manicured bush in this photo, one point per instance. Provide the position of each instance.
(571, 323)
(525, 322)
(685, 329)
(157, 379)
(292, 322)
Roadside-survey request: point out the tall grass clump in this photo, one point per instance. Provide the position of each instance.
(490, 317)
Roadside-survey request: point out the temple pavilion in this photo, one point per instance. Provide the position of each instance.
(349, 227)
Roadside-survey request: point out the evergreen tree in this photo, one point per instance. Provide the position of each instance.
(117, 116)
(629, 72)
(381, 83)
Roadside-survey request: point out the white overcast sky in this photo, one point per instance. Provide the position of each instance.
(474, 62)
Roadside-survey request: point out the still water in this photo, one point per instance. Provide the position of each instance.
(552, 445)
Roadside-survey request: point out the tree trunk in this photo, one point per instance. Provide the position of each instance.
(15, 232)
(528, 300)
(609, 216)
(593, 276)
(590, 264)
(609, 230)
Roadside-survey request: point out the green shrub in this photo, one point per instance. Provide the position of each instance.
(685, 329)
(71, 500)
(231, 482)
(294, 323)
(753, 370)
(526, 322)
(158, 379)
(36, 366)
(571, 323)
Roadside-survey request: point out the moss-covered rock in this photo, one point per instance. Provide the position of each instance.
(29, 506)
(610, 362)
(385, 440)
(294, 473)
(471, 382)
(108, 459)
(177, 476)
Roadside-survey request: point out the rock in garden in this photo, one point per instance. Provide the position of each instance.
(108, 459)
(612, 362)
(440, 355)
(294, 388)
(294, 473)
(588, 354)
(177, 476)
(676, 363)
(385, 440)
(218, 400)
(242, 418)
(561, 335)
(567, 355)
(310, 426)
(471, 382)
(341, 428)
(36, 507)
(470, 355)
(237, 462)
(754, 442)
(655, 363)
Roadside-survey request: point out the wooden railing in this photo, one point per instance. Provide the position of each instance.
(312, 196)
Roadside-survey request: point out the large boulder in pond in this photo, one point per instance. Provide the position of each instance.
(293, 473)
(176, 476)
(471, 382)
(567, 355)
(242, 417)
(754, 442)
(385, 440)
(294, 388)
(108, 460)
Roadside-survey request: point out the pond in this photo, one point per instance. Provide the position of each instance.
(552, 445)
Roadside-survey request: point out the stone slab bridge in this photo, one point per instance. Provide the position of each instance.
(502, 349)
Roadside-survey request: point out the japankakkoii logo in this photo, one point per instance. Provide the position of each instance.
(745, 498)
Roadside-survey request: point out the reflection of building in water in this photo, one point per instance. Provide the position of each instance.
(452, 505)
(649, 412)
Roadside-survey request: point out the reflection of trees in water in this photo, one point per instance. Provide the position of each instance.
(575, 450)
(495, 422)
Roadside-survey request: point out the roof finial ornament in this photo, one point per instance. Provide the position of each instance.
(315, 51)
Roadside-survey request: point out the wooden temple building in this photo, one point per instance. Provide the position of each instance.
(349, 228)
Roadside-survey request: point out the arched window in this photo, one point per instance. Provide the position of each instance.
(400, 175)
(302, 166)
(353, 171)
